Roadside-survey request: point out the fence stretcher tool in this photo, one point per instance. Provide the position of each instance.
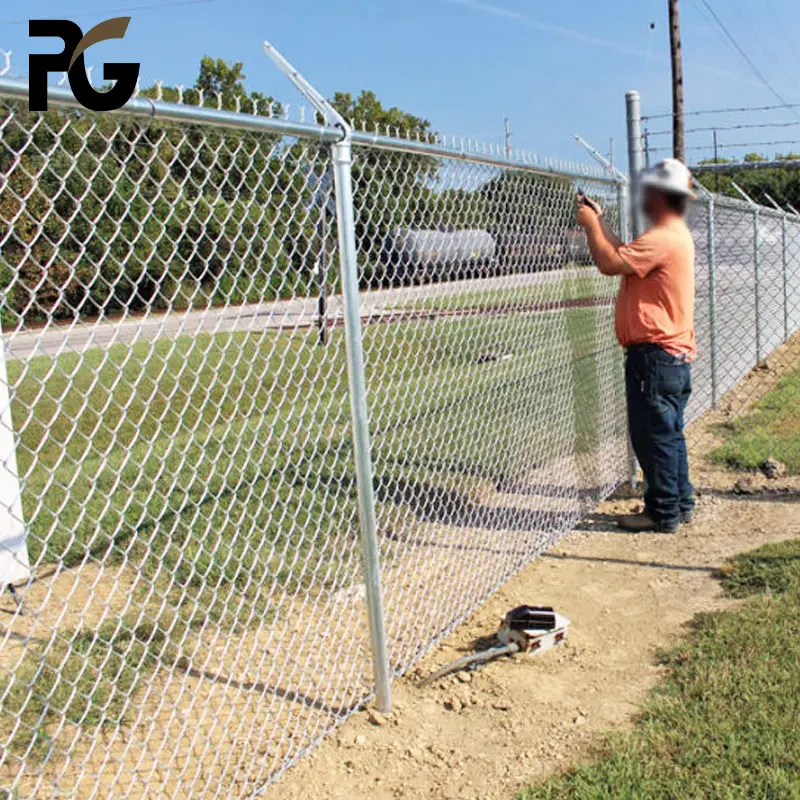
(525, 629)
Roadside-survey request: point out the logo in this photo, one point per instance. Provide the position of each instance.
(70, 60)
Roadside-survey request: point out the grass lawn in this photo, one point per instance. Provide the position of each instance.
(219, 467)
(724, 724)
(570, 288)
(770, 430)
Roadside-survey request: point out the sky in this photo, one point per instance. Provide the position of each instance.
(553, 68)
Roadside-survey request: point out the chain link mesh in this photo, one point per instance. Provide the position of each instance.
(748, 318)
(495, 395)
(194, 619)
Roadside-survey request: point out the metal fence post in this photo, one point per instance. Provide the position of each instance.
(624, 211)
(712, 299)
(342, 161)
(635, 165)
(757, 275)
(635, 158)
(785, 265)
(342, 152)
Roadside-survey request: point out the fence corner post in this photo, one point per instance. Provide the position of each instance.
(635, 158)
(633, 115)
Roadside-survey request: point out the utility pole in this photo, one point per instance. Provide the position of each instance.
(508, 138)
(678, 139)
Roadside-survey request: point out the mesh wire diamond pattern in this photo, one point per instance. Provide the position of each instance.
(177, 379)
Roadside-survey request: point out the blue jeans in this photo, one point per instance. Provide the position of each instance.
(658, 388)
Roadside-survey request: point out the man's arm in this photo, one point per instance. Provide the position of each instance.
(603, 247)
(610, 235)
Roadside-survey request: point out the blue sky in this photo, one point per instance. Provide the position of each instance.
(553, 68)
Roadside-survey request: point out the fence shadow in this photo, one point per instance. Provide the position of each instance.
(446, 506)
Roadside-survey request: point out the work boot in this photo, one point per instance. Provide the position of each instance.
(641, 523)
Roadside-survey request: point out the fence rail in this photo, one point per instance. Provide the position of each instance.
(177, 439)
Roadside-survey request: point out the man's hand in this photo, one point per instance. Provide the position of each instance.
(587, 211)
(603, 245)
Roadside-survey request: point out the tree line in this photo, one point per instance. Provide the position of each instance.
(780, 183)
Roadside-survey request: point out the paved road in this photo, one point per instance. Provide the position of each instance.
(280, 315)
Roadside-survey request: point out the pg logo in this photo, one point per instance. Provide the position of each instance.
(70, 60)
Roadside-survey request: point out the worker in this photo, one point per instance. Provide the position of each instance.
(655, 325)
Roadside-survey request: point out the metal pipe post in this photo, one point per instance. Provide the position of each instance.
(757, 275)
(785, 264)
(624, 210)
(342, 151)
(635, 158)
(633, 111)
(712, 300)
(342, 160)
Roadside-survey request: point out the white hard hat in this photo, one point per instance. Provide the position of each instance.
(669, 175)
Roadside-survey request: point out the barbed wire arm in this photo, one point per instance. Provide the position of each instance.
(600, 158)
(743, 193)
(329, 114)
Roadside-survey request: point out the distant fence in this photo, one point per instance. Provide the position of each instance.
(192, 493)
(748, 291)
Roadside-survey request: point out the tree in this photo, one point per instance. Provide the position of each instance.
(391, 189)
(780, 183)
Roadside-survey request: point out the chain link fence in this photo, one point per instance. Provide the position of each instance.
(748, 318)
(182, 503)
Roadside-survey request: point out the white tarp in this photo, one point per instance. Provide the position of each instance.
(14, 565)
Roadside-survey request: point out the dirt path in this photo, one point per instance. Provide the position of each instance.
(488, 733)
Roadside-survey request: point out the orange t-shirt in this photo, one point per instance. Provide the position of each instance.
(656, 304)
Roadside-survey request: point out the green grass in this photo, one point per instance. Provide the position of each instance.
(724, 722)
(219, 467)
(87, 681)
(770, 430)
(567, 288)
(772, 569)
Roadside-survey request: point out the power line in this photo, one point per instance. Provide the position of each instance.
(168, 4)
(732, 146)
(741, 127)
(726, 111)
(742, 53)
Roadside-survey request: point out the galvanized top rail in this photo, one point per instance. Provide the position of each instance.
(456, 148)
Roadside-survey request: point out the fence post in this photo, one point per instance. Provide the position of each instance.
(624, 211)
(785, 265)
(342, 161)
(635, 159)
(635, 164)
(348, 260)
(712, 299)
(757, 272)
